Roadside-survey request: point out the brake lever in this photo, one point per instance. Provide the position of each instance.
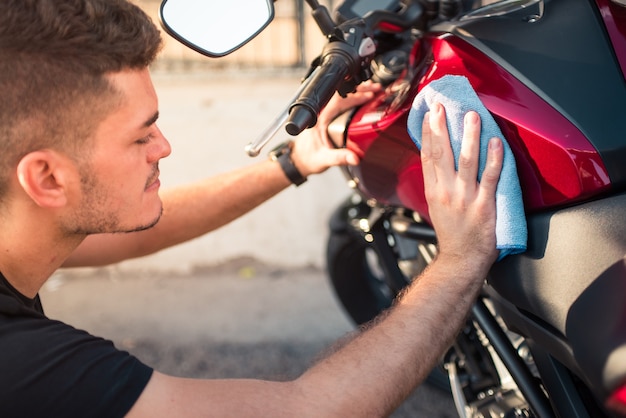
(253, 148)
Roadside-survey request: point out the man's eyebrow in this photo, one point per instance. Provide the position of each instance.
(152, 120)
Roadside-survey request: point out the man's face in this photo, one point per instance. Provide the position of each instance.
(120, 175)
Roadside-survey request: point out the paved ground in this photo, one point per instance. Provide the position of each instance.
(242, 319)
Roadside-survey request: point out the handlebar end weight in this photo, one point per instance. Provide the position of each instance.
(300, 118)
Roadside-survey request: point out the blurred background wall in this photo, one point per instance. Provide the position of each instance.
(291, 40)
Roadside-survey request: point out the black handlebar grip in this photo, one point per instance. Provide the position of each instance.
(300, 118)
(320, 88)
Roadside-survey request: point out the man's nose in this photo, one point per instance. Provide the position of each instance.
(160, 148)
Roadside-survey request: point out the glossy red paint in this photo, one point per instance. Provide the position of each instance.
(556, 164)
(617, 401)
(390, 169)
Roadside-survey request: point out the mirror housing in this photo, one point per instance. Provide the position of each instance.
(215, 28)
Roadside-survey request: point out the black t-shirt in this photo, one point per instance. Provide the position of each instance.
(50, 369)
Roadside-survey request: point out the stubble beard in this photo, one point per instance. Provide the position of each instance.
(95, 217)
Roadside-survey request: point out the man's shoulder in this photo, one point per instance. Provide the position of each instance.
(50, 368)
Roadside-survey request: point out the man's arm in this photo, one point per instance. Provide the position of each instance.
(196, 209)
(371, 374)
(188, 212)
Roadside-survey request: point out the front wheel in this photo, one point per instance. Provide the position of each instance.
(357, 278)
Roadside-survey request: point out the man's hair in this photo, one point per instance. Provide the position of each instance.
(54, 59)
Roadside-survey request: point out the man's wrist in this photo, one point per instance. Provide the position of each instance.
(282, 155)
(473, 268)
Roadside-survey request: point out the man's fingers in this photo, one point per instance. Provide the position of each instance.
(493, 167)
(437, 157)
(427, 167)
(345, 157)
(364, 93)
(369, 85)
(337, 104)
(326, 158)
(470, 149)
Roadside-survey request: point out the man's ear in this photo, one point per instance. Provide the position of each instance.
(45, 176)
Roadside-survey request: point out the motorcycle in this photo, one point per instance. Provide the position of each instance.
(547, 336)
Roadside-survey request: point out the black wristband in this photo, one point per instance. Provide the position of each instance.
(282, 154)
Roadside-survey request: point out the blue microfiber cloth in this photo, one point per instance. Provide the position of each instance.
(458, 97)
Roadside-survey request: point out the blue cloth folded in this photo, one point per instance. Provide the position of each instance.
(458, 97)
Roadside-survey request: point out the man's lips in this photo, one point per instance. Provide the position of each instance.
(155, 184)
(153, 181)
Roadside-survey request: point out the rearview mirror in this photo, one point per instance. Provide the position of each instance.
(215, 27)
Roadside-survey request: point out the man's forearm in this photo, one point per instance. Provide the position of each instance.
(393, 356)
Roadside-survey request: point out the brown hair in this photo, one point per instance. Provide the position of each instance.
(54, 56)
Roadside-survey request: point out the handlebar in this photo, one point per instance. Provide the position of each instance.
(320, 88)
(343, 65)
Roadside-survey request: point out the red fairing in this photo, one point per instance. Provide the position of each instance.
(390, 170)
(556, 163)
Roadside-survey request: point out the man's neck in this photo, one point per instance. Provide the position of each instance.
(29, 254)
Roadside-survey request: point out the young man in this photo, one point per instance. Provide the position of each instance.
(80, 159)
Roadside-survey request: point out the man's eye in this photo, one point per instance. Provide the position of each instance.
(145, 139)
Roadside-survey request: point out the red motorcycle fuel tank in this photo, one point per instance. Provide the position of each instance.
(554, 87)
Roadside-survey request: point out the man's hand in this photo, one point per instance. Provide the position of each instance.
(313, 152)
(463, 211)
